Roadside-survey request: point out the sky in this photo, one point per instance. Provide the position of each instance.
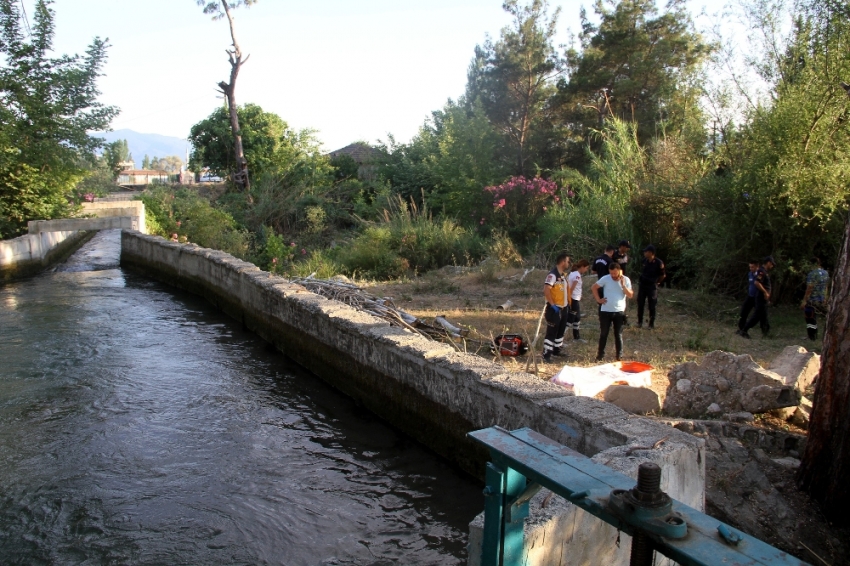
(352, 70)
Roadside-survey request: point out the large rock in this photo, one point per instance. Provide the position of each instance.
(727, 382)
(636, 400)
(797, 366)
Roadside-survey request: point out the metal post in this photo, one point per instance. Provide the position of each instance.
(646, 493)
(494, 508)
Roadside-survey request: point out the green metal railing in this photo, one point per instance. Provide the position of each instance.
(524, 461)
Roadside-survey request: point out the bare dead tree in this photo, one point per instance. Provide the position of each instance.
(825, 469)
(219, 10)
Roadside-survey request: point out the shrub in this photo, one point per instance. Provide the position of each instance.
(409, 239)
(192, 217)
(518, 203)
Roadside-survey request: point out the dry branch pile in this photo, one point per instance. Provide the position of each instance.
(384, 308)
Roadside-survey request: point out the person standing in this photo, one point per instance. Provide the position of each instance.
(651, 275)
(814, 301)
(574, 289)
(600, 264)
(621, 256)
(763, 286)
(617, 288)
(752, 291)
(557, 307)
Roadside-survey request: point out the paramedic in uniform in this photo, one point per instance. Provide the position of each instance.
(557, 307)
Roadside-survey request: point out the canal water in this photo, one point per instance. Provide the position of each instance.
(140, 426)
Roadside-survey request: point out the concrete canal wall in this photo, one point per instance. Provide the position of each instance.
(51, 241)
(31, 253)
(434, 393)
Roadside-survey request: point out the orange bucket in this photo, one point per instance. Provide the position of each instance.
(635, 367)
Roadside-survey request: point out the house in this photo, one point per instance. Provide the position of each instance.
(366, 156)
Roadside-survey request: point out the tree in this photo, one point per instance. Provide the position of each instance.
(146, 162)
(825, 469)
(513, 79)
(222, 9)
(171, 164)
(47, 107)
(637, 65)
(783, 185)
(114, 154)
(449, 161)
(271, 147)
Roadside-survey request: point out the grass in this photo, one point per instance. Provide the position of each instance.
(688, 325)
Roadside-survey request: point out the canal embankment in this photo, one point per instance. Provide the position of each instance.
(48, 242)
(433, 392)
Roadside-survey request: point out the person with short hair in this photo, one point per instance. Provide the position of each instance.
(651, 276)
(752, 291)
(617, 288)
(764, 287)
(574, 289)
(814, 301)
(621, 256)
(600, 264)
(557, 307)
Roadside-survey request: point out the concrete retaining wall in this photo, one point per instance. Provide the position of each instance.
(32, 253)
(429, 390)
(77, 224)
(104, 209)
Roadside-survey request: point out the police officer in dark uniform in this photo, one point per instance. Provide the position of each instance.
(600, 264)
(651, 275)
(763, 285)
(621, 256)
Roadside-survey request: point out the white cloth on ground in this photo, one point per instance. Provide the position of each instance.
(590, 382)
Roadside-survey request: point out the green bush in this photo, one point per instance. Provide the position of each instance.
(194, 219)
(409, 239)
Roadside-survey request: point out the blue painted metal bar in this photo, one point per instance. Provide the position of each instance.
(524, 455)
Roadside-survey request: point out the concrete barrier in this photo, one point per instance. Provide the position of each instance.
(105, 209)
(29, 254)
(79, 224)
(433, 392)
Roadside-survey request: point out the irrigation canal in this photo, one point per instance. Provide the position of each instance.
(138, 425)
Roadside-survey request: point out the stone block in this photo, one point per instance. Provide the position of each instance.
(726, 383)
(636, 400)
(797, 366)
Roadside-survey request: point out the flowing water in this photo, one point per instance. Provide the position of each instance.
(140, 426)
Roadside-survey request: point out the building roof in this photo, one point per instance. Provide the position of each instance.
(359, 151)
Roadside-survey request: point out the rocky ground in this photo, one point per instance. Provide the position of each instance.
(755, 492)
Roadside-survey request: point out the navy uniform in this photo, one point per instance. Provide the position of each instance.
(759, 315)
(750, 301)
(652, 273)
(556, 314)
(600, 266)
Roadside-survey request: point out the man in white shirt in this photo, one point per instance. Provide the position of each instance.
(616, 288)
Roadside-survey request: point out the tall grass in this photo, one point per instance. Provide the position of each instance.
(600, 212)
(408, 239)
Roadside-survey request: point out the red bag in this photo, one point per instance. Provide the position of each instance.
(509, 345)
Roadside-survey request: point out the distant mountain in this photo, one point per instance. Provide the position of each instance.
(152, 145)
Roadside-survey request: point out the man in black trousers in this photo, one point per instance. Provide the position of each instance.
(763, 285)
(651, 275)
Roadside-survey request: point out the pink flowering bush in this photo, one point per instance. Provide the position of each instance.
(519, 202)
